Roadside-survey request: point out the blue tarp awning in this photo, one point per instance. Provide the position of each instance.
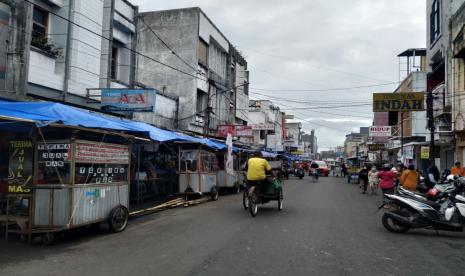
(45, 113)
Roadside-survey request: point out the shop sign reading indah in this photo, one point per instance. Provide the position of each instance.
(384, 102)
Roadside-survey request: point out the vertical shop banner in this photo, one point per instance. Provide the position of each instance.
(20, 166)
(229, 160)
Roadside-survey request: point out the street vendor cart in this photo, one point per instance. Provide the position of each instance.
(353, 170)
(233, 180)
(197, 173)
(78, 183)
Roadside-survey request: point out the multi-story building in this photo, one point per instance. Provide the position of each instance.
(352, 144)
(439, 76)
(293, 142)
(71, 46)
(457, 36)
(68, 50)
(208, 75)
(310, 143)
(268, 124)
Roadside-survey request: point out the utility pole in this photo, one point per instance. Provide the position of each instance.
(430, 114)
(401, 135)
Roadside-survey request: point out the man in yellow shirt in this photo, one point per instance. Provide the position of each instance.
(257, 167)
(409, 178)
(457, 169)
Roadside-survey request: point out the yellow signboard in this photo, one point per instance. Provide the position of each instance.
(384, 102)
(424, 152)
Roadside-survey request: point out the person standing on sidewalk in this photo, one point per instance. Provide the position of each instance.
(386, 181)
(410, 178)
(373, 180)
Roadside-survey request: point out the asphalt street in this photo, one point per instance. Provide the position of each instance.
(326, 228)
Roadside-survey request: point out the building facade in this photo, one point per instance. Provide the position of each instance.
(268, 124)
(439, 77)
(208, 75)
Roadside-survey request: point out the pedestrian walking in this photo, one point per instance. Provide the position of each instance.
(457, 169)
(344, 170)
(410, 178)
(386, 181)
(373, 180)
(363, 177)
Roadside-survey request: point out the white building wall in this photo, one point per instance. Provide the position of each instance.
(419, 119)
(85, 46)
(42, 71)
(207, 30)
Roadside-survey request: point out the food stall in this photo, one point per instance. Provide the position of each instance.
(235, 179)
(77, 183)
(197, 172)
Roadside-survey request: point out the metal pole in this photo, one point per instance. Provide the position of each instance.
(401, 134)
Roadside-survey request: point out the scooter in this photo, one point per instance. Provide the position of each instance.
(300, 173)
(410, 213)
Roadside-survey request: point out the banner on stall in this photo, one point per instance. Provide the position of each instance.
(20, 166)
(384, 102)
(379, 131)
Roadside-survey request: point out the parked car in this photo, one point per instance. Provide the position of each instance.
(322, 168)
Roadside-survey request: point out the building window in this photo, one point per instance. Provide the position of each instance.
(200, 101)
(39, 27)
(114, 63)
(435, 22)
(203, 53)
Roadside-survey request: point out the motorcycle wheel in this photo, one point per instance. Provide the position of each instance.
(253, 204)
(245, 199)
(300, 177)
(392, 226)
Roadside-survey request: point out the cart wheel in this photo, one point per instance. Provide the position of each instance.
(48, 239)
(214, 194)
(253, 204)
(280, 200)
(118, 219)
(245, 199)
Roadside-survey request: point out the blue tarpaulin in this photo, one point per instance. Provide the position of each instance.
(44, 113)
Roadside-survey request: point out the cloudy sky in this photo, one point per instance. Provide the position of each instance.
(317, 46)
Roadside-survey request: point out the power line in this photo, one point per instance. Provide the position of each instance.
(325, 90)
(123, 46)
(166, 45)
(287, 59)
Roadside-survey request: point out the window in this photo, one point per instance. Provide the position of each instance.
(114, 63)
(435, 21)
(39, 27)
(203, 53)
(200, 101)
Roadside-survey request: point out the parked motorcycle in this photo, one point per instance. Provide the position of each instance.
(407, 212)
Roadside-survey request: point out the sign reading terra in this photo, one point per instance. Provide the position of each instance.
(384, 102)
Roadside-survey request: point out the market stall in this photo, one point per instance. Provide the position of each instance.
(230, 180)
(197, 171)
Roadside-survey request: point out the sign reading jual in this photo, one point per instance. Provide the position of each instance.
(380, 131)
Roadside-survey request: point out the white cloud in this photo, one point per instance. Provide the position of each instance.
(318, 44)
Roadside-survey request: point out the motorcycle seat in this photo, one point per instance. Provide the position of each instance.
(433, 204)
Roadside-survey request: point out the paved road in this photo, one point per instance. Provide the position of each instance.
(326, 228)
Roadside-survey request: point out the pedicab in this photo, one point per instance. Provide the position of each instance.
(265, 191)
